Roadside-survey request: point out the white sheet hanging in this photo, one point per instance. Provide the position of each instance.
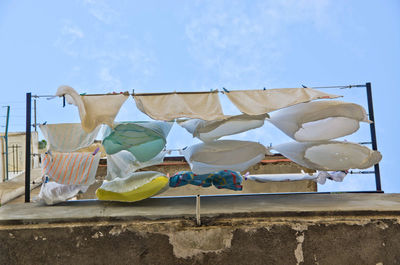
(67, 137)
(319, 120)
(205, 106)
(255, 102)
(329, 155)
(53, 193)
(219, 155)
(281, 177)
(208, 131)
(71, 168)
(94, 110)
(123, 164)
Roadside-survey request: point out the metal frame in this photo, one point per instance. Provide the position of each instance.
(370, 113)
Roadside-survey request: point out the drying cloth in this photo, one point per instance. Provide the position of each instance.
(123, 164)
(138, 186)
(212, 130)
(319, 120)
(219, 155)
(71, 168)
(255, 102)
(143, 139)
(52, 192)
(337, 176)
(225, 179)
(94, 110)
(166, 107)
(67, 137)
(281, 177)
(329, 155)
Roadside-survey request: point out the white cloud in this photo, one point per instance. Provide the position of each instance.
(101, 11)
(67, 40)
(108, 80)
(73, 31)
(244, 41)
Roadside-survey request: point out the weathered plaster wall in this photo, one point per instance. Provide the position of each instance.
(368, 239)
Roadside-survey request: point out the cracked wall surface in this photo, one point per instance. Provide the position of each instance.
(220, 240)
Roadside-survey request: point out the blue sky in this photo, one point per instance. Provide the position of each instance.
(103, 46)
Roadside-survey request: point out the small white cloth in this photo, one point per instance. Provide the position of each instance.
(71, 168)
(67, 137)
(166, 107)
(219, 155)
(329, 155)
(337, 176)
(208, 131)
(319, 120)
(52, 192)
(255, 102)
(94, 110)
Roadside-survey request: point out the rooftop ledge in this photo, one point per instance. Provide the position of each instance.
(254, 205)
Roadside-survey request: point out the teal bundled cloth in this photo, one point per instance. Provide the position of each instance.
(143, 139)
(224, 179)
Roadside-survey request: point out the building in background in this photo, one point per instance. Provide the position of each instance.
(16, 154)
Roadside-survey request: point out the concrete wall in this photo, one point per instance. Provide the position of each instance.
(297, 234)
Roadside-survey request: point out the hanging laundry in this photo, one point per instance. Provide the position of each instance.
(256, 102)
(208, 131)
(337, 176)
(53, 193)
(281, 177)
(319, 120)
(71, 168)
(94, 110)
(138, 186)
(219, 155)
(166, 107)
(143, 139)
(67, 137)
(329, 155)
(123, 164)
(224, 179)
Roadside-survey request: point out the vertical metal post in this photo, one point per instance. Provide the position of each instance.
(6, 139)
(373, 134)
(34, 113)
(28, 148)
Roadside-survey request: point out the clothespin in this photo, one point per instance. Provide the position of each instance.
(225, 90)
(95, 151)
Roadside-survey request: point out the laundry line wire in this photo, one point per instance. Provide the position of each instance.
(189, 92)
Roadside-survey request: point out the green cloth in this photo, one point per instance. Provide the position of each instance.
(143, 139)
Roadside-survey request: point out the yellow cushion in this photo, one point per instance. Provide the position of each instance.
(145, 191)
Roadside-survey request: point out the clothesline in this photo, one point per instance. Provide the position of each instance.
(189, 92)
